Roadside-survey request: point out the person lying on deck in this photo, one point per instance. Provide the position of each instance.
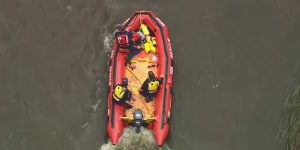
(121, 95)
(150, 86)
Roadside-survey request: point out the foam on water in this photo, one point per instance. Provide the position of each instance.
(131, 140)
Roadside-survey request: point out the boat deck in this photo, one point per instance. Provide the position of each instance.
(138, 73)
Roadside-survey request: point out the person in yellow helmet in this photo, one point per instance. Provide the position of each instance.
(150, 87)
(121, 95)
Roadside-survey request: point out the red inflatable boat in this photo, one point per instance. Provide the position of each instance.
(156, 57)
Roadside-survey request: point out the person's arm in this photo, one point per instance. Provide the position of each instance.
(161, 79)
(130, 36)
(133, 98)
(137, 47)
(144, 86)
(129, 103)
(128, 97)
(113, 89)
(116, 34)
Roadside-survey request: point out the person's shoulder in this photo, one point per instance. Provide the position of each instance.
(159, 80)
(147, 80)
(127, 90)
(128, 33)
(117, 85)
(117, 33)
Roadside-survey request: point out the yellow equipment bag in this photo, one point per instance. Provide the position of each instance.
(150, 45)
(145, 29)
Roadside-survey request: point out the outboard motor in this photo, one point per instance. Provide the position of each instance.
(138, 120)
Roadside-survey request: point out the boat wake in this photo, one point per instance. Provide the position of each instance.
(131, 140)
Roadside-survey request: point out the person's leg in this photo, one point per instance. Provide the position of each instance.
(133, 52)
(127, 60)
(147, 96)
(151, 96)
(127, 106)
(129, 95)
(148, 99)
(128, 99)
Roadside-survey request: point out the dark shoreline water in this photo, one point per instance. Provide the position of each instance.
(234, 63)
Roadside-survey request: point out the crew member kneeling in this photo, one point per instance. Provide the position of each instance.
(121, 95)
(126, 41)
(124, 38)
(150, 87)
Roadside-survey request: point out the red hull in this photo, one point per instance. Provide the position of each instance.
(160, 125)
